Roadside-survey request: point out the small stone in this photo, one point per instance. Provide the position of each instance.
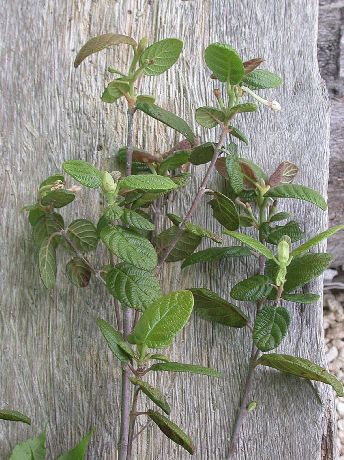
(340, 408)
(332, 354)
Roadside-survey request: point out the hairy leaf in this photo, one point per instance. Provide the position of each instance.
(238, 134)
(211, 254)
(147, 182)
(181, 367)
(47, 262)
(302, 368)
(153, 394)
(241, 108)
(79, 451)
(160, 56)
(185, 246)
(262, 79)
(14, 416)
(316, 240)
(174, 161)
(250, 65)
(224, 211)
(270, 327)
(299, 192)
(172, 431)
(284, 174)
(57, 198)
(114, 90)
(279, 216)
(145, 99)
(202, 154)
(301, 270)
(291, 229)
(46, 225)
(130, 247)
(96, 44)
(32, 449)
(307, 298)
(209, 117)
(135, 220)
(203, 232)
(119, 347)
(78, 272)
(132, 286)
(83, 234)
(162, 320)
(252, 243)
(234, 172)
(83, 172)
(211, 307)
(224, 62)
(168, 118)
(52, 180)
(255, 288)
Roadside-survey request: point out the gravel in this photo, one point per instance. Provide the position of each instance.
(334, 338)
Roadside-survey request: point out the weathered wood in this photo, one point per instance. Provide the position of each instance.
(54, 363)
(331, 63)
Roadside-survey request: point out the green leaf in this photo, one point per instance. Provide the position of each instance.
(159, 357)
(52, 180)
(137, 221)
(168, 118)
(202, 154)
(14, 416)
(160, 56)
(162, 320)
(291, 229)
(79, 451)
(252, 289)
(279, 216)
(147, 182)
(145, 99)
(181, 367)
(234, 172)
(96, 44)
(46, 225)
(132, 286)
(172, 431)
(211, 307)
(302, 368)
(115, 90)
(130, 247)
(224, 211)
(185, 246)
(174, 161)
(32, 449)
(83, 234)
(153, 394)
(316, 240)
(262, 79)
(238, 134)
(224, 62)
(119, 347)
(299, 192)
(83, 172)
(209, 117)
(307, 298)
(241, 108)
(211, 254)
(301, 270)
(270, 327)
(203, 232)
(78, 272)
(47, 263)
(181, 180)
(252, 243)
(57, 198)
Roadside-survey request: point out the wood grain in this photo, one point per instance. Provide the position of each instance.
(55, 366)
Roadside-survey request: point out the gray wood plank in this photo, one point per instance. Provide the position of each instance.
(54, 364)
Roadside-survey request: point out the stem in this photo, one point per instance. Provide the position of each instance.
(252, 363)
(196, 200)
(133, 416)
(125, 394)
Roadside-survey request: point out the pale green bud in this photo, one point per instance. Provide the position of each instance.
(283, 250)
(251, 406)
(108, 184)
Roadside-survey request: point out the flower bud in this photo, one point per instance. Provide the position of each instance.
(283, 250)
(108, 184)
(275, 106)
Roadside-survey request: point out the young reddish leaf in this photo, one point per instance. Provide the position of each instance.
(252, 64)
(284, 174)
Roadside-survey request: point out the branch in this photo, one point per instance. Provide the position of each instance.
(133, 415)
(197, 199)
